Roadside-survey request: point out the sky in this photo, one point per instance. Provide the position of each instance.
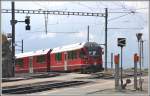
(37, 39)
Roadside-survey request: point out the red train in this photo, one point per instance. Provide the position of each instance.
(83, 57)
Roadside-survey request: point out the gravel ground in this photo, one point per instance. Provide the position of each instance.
(129, 91)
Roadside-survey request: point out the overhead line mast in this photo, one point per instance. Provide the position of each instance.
(106, 20)
(13, 22)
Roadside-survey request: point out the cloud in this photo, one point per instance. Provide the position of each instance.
(43, 36)
(40, 5)
(145, 32)
(92, 38)
(81, 34)
(48, 35)
(138, 5)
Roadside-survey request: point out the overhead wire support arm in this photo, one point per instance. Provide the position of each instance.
(54, 12)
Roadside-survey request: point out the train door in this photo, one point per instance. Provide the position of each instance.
(30, 64)
(65, 61)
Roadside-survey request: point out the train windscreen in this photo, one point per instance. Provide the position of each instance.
(94, 51)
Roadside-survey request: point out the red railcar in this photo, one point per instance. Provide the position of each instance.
(80, 56)
(31, 62)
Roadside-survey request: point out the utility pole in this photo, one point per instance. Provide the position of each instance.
(88, 33)
(121, 69)
(13, 22)
(142, 53)
(22, 46)
(111, 60)
(106, 19)
(140, 82)
(139, 38)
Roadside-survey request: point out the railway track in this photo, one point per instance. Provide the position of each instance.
(28, 76)
(40, 87)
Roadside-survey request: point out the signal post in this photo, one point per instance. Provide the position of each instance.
(116, 60)
(13, 23)
(136, 59)
(121, 43)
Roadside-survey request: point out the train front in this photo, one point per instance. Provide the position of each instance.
(92, 57)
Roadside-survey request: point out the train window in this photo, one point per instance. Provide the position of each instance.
(41, 59)
(58, 57)
(72, 55)
(82, 54)
(93, 51)
(19, 62)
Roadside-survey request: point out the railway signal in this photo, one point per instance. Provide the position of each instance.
(27, 21)
(121, 43)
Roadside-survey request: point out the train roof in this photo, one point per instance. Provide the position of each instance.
(56, 50)
(32, 53)
(72, 47)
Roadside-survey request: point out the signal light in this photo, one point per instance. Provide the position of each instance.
(27, 27)
(27, 20)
